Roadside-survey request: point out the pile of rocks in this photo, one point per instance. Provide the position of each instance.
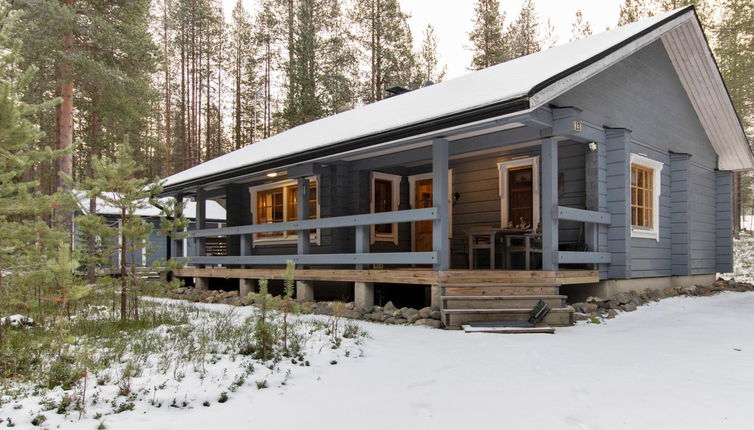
(595, 308)
(388, 314)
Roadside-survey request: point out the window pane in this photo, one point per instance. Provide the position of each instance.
(383, 202)
(642, 196)
(270, 208)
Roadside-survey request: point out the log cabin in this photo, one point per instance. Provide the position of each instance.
(598, 166)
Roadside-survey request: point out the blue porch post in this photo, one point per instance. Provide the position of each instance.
(549, 204)
(175, 248)
(440, 226)
(302, 213)
(201, 222)
(304, 289)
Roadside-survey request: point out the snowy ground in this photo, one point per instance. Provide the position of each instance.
(682, 363)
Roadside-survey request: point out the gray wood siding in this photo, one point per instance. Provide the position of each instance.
(618, 203)
(650, 257)
(702, 204)
(679, 213)
(643, 93)
(724, 221)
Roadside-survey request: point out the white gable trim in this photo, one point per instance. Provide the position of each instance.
(696, 68)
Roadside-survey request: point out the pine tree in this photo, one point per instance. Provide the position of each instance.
(241, 46)
(116, 183)
(580, 27)
(523, 33)
(27, 241)
(550, 36)
(386, 46)
(320, 83)
(634, 10)
(265, 45)
(429, 58)
(488, 40)
(704, 9)
(734, 52)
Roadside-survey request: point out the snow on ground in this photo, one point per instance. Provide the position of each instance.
(681, 363)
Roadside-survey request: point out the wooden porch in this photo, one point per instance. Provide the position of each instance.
(463, 296)
(406, 276)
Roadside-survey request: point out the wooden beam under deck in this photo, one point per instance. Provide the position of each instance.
(403, 276)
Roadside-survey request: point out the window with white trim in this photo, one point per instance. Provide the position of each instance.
(278, 202)
(646, 181)
(385, 197)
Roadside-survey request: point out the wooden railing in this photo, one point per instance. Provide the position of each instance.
(585, 216)
(362, 224)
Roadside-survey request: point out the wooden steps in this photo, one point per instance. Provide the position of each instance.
(490, 301)
(507, 330)
(454, 318)
(493, 302)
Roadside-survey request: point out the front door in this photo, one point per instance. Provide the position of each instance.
(423, 229)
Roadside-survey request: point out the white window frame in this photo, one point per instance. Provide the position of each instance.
(656, 166)
(286, 238)
(503, 167)
(412, 198)
(395, 181)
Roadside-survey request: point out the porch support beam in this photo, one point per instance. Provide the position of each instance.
(246, 286)
(325, 259)
(176, 250)
(201, 221)
(302, 213)
(549, 204)
(580, 215)
(410, 215)
(567, 122)
(618, 158)
(573, 257)
(362, 242)
(440, 226)
(363, 294)
(499, 139)
(305, 291)
(595, 172)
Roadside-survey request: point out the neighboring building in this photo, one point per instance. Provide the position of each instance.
(621, 146)
(158, 243)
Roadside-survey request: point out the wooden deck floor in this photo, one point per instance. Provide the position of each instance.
(403, 275)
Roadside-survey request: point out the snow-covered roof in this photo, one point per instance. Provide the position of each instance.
(214, 210)
(538, 78)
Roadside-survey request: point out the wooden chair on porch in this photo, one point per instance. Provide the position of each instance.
(482, 238)
(528, 244)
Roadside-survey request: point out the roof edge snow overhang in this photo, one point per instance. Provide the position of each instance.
(537, 96)
(430, 126)
(729, 139)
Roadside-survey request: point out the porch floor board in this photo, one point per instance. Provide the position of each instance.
(417, 276)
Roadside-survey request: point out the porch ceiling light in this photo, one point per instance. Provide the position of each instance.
(272, 174)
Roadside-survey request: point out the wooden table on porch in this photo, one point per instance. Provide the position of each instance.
(486, 237)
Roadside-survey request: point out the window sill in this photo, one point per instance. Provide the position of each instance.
(645, 234)
(290, 240)
(386, 238)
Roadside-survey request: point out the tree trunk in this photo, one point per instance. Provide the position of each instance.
(123, 268)
(167, 165)
(91, 275)
(64, 135)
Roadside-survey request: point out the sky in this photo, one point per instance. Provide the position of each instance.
(452, 20)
